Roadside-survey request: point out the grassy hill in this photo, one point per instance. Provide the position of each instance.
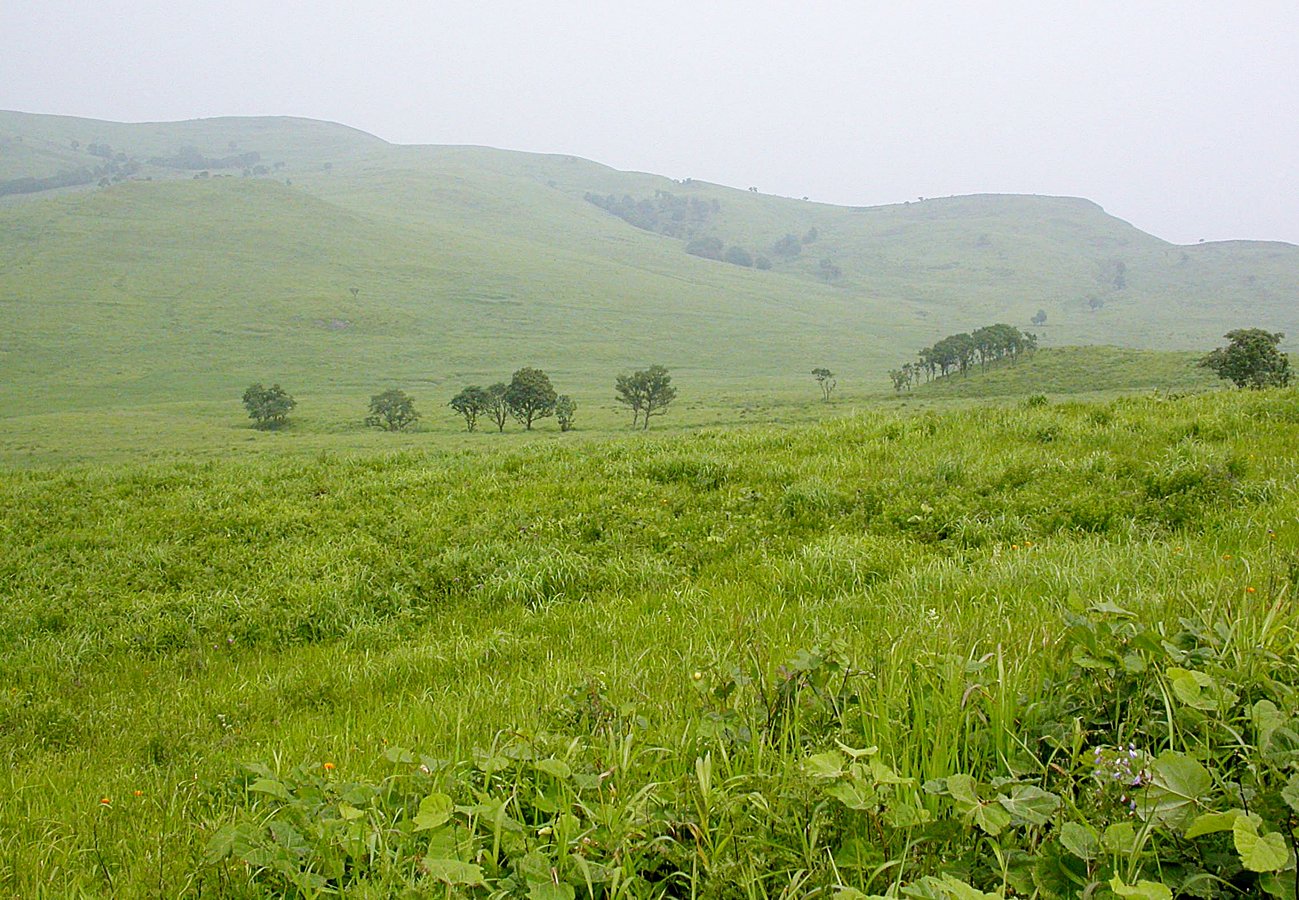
(162, 295)
(877, 653)
(1075, 371)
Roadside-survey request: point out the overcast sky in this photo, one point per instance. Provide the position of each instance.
(1181, 117)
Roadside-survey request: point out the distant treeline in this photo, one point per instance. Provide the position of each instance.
(958, 352)
(689, 218)
(664, 213)
(189, 158)
(118, 166)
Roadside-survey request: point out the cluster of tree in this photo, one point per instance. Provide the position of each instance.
(791, 245)
(527, 398)
(1252, 359)
(70, 178)
(664, 213)
(191, 159)
(268, 407)
(647, 392)
(710, 247)
(958, 352)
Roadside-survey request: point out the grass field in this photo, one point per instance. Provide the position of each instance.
(895, 651)
(177, 292)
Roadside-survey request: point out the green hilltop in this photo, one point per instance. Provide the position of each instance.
(131, 278)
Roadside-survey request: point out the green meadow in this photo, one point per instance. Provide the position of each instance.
(1028, 631)
(893, 653)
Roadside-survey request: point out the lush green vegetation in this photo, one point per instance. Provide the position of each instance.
(356, 266)
(865, 656)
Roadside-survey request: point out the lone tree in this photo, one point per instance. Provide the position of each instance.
(498, 410)
(1039, 317)
(393, 410)
(825, 378)
(530, 396)
(472, 402)
(1251, 359)
(565, 409)
(268, 407)
(648, 392)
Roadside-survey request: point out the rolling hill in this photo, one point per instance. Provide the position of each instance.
(200, 256)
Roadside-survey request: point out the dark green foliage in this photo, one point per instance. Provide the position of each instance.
(268, 407)
(664, 213)
(738, 256)
(787, 247)
(393, 410)
(1251, 359)
(530, 396)
(565, 410)
(825, 378)
(958, 352)
(828, 270)
(647, 392)
(1039, 317)
(471, 403)
(498, 407)
(762, 263)
(708, 247)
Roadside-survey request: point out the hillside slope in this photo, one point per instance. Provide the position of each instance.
(175, 283)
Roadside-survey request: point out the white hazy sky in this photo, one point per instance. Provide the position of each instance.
(1181, 117)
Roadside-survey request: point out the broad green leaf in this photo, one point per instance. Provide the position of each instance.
(548, 890)
(963, 788)
(434, 810)
(270, 787)
(349, 812)
(1119, 838)
(1029, 804)
(555, 767)
(853, 795)
(1290, 793)
(1178, 785)
(1190, 687)
(1267, 719)
(884, 774)
(824, 765)
(1258, 853)
(1213, 822)
(222, 843)
(398, 755)
(1142, 890)
(991, 818)
(905, 815)
(453, 871)
(1080, 840)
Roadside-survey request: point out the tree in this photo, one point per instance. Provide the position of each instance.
(565, 409)
(629, 392)
(393, 410)
(1251, 359)
(472, 402)
(648, 392)
(268, 407)
(738, 256)
(1039, 317)
(825, 378)
(498, 410)
(530, 396)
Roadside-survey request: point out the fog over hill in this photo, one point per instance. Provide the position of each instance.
(166, 262)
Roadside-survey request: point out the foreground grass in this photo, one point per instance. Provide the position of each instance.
(639, 608)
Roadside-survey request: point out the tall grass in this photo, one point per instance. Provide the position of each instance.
(704, 616)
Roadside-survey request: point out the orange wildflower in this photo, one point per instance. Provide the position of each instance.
(329, 767)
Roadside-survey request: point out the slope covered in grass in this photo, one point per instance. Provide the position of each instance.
(1071, 371)
(633, 667)
(470, 262)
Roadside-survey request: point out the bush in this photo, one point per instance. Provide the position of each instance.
(268, 407)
